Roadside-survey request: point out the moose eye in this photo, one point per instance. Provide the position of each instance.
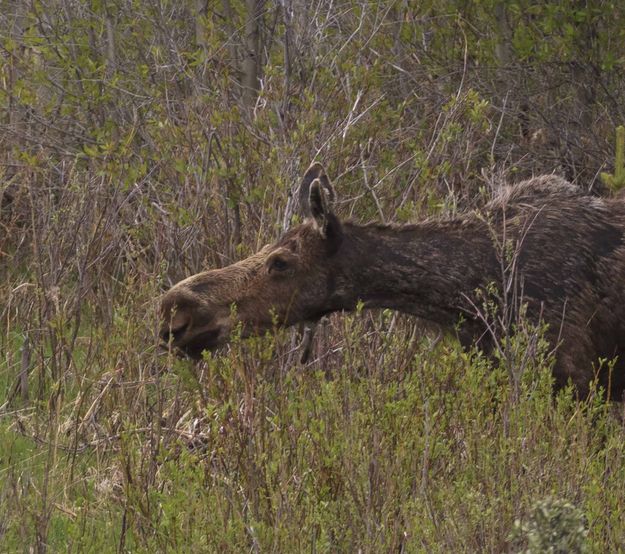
(278, 264)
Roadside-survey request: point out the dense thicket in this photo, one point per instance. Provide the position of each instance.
(141, 141)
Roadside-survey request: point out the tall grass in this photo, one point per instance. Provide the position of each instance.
(130, 159)
(372, 446)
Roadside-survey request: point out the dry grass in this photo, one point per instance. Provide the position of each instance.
(130, 159)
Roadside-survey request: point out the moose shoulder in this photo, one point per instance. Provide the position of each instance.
(565, 248)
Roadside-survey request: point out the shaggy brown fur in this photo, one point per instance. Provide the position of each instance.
(568, 253)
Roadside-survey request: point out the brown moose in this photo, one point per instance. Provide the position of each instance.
(567, 255)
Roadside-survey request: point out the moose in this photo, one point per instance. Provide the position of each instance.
(565, 247)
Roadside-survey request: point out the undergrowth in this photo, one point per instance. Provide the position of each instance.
(378, 448)
(144, 141)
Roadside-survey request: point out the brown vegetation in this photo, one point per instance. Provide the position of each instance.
(142, 142)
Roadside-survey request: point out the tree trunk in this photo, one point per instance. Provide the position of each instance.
(251, 46)
(201, 7)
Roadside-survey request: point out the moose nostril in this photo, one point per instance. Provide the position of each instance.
(173, 333)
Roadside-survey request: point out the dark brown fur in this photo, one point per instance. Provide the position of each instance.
(570, 264)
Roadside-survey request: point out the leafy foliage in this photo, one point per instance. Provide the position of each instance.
(554, 526)
(143, 141)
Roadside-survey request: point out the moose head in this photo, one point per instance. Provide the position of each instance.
(290, 281)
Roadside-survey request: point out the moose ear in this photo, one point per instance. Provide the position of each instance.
(316, 198)
(315, 171)
(320, 206)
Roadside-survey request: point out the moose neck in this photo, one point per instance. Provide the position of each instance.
(428, 270)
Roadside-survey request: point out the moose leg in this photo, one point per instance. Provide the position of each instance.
(576, 360)
(571, 369)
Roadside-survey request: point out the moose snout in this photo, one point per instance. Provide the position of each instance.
(174, 334)
(190, 322)
(175, 319)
